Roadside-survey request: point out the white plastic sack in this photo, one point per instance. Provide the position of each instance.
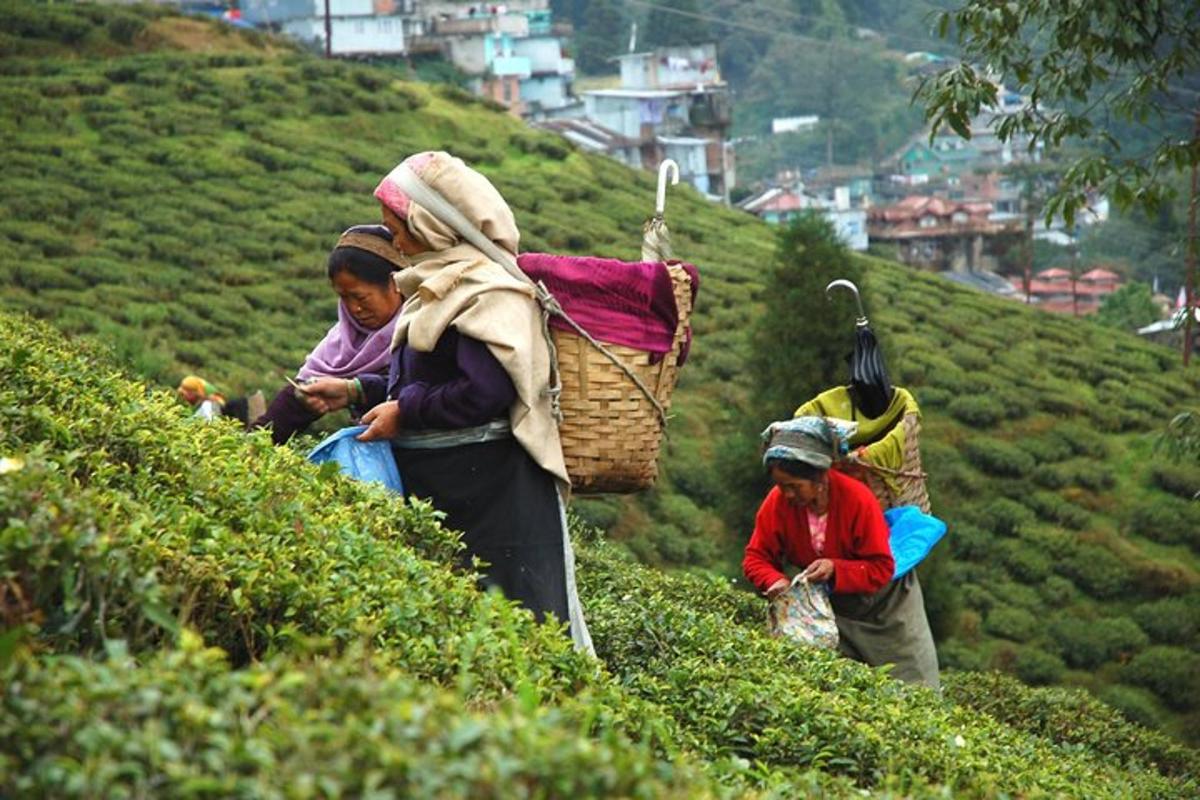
(804, 613)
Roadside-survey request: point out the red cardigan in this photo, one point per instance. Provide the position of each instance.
(856, 539)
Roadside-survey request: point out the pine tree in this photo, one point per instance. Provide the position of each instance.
(802, 339)
(799, 347)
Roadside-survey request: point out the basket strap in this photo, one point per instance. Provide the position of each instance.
(879, 468)
(427, 197)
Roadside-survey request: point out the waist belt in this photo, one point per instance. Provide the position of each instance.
(436, 440)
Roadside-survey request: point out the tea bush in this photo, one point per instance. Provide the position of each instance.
(160, 521)
(1172, 673)
(1169, 520)
(979, 410)
(182, 723)
(1173, 620)
(1007, 622)
(1070, 717)
(1037, 667)
(1181, 480)
(998, 458)
(141, 156)
(1088, 643)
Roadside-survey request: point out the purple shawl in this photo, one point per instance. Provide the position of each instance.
(349, 349)
(618, 302)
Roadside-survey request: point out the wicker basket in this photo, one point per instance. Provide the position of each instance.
(611, 433)
(902, 487)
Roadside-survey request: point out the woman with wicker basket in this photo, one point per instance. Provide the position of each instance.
(464, 403)
(832, 527)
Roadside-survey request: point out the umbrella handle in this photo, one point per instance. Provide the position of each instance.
(660, 199)
(845, 284)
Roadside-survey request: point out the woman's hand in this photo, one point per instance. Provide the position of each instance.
(324, 395)
(777, 588)
(383, 422)
(819, 570)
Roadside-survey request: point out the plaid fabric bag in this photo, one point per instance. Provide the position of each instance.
(804, 613)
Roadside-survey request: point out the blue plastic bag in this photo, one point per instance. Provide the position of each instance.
(363, 461)
(913, 535)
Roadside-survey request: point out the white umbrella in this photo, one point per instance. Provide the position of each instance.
(656, 239)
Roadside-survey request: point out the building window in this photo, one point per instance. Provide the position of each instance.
(928, 222)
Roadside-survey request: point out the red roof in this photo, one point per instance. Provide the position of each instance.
(915, 206)
(1100, 275)
(1055, 274)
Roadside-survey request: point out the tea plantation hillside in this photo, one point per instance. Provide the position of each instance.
(189, 611)
(171, 188)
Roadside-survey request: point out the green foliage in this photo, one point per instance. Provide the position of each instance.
(801, 339)
(1011, 623)
(1172, 673)
(996, 457)
(1124, 58)
(598, 40)
(1005, 517)
(140, 210)
(1171, 620)
(1069, 717)
(674, 22)
(376, 668)
(1088, 643)
(1097, 570)
(978, 410)
(183, 723)
(1129, 308)
(1169, 520)
(1036, 667)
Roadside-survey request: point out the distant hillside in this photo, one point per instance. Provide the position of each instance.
(178, 205)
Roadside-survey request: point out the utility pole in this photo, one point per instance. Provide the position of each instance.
(1189, 305)
(328, 33)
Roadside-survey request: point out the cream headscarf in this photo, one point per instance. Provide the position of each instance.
(455, 285)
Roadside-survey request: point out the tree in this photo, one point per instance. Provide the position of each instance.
(1082, 65)
(601, 37)
(799, 346)
(675, 22)
(1129, 307)
(1079, 62)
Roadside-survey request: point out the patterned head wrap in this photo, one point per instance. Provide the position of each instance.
(816, 441)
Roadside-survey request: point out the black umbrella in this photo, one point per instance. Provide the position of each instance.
(870, 385)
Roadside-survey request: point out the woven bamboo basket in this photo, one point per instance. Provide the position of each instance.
(902, 487)
(611, 433)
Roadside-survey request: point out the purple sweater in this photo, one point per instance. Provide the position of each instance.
(460, 384)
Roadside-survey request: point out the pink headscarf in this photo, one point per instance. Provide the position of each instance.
(391, 195)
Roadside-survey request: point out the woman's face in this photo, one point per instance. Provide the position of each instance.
(800, 492)
(370, 304)
(402, 238)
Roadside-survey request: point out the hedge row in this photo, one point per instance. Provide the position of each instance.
(191, 524)
(182, 723)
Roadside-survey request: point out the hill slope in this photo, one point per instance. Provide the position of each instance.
(351, 660)
(179, 204)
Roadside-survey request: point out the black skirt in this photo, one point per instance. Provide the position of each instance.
(507, 509)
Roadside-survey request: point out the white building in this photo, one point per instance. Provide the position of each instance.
(357, 27)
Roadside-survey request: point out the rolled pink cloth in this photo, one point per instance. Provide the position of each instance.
(617, 302)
